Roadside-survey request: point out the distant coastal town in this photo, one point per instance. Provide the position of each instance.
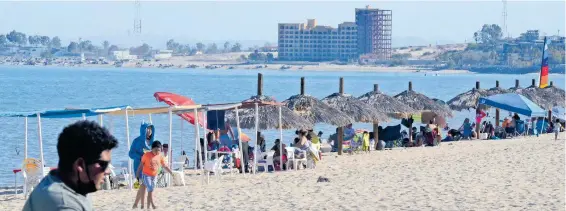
(360, 45)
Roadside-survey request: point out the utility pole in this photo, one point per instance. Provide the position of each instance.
(504, 16)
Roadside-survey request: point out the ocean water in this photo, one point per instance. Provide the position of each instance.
(43, 88)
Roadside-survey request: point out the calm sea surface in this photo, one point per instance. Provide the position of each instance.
(43, 88)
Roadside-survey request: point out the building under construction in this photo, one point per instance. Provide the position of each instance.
(374, 32)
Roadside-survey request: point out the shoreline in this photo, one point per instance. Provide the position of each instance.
(270, 67)
(525, 172)
(323, 67)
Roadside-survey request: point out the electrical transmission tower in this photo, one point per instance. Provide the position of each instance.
(504, 16)
(137, 18)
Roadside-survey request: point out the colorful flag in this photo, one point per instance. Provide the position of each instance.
(543, 81)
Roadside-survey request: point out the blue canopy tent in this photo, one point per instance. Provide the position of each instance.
(514, 103)
(56, 114)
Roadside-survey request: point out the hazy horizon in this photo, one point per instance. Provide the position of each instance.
(254, 23)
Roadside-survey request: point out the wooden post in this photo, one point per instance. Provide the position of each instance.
(516, 83)
(497, 109)
(478, 110)
(410, 86)
(341, 88)
(376, 87)
(340, 139)
(259, 84)
(550, 117)
(411, 130)
(375, 133)
(302, 85)
(497, 117)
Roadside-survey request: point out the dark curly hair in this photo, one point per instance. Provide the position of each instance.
(83, 139)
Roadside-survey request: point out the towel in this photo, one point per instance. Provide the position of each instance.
(215, 120)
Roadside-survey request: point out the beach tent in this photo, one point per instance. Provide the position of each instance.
(55, 114)
(173, 99)
(170, 110)
(514, 103)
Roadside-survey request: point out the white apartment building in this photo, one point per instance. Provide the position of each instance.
(122, 55)
(309, 42)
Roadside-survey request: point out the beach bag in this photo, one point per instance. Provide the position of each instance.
(238, 163)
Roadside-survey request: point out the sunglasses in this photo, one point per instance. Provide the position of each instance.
(102, 163)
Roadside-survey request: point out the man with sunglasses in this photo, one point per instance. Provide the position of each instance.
(85, 151)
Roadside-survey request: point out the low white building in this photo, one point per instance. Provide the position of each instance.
(122, 55)
(162, 54)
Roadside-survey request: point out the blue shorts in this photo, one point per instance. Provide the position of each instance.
(149, 182)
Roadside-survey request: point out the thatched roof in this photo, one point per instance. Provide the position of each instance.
(420, 102)
(385, 103)
(496, 91)
(559, 95)
(467, 99)
(545, 97)
(268, 115)
(358, 110)
(315, 111)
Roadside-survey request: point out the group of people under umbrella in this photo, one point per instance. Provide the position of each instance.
(341, 109)
(302, 111)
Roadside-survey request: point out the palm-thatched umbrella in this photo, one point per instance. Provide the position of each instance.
(268, 113)
(314, 110)
(420, 102)
(496, 90)
(545, 97)
(384, 104)
(262, 112)
(358, 110)
(559, 95)
(467, 99)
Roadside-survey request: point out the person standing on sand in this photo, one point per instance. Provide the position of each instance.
(556, 129)
(151, 162)
(141, 145)
(85, 151)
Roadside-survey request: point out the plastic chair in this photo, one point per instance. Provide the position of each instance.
(291, 157)
(265, 163)
(214, 166)
(32, 172)
(123, 177)
(180, 163)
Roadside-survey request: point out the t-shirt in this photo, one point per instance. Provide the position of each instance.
(51, 194)
(152, 163)
(366, 139)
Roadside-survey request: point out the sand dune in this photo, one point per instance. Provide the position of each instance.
(518, 174)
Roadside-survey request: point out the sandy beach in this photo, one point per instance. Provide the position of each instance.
(514, 174)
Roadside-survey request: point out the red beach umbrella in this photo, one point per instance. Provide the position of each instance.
(173, 99)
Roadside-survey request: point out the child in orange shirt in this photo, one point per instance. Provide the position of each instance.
(150, 164)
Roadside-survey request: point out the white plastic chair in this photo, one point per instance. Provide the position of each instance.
(180, 163)
(265, 163)
(123, 177)
(32, 171)
(214, 166)
(291, 157)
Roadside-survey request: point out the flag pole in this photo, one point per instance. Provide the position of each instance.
(542, 65)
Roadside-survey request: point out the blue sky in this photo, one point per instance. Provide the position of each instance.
(414, 22)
